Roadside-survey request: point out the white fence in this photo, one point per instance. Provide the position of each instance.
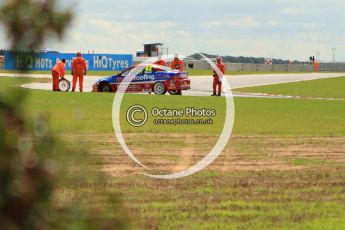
(239, 67)
(332, 67)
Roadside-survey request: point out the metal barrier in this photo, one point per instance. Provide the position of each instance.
(241, 67)
(332, 67)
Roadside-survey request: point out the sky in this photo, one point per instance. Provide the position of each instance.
(287, 29)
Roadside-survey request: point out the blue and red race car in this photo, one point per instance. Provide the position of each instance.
(151, 78)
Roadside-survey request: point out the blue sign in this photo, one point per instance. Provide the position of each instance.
(46, 61)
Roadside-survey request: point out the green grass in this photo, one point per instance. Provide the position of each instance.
(325, 88)
(263, 200)
(281, 117)
(310, 198)
(305, 162)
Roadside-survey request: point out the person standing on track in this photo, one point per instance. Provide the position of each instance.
(78, 71)
(217, 80)
(58, 71)
(177, 64)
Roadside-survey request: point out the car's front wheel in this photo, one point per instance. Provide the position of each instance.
(175, 92)
(104, 87)
(159, 88)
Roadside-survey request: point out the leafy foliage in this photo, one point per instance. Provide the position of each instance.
(29, 22)
(44, 184)
(38, 178)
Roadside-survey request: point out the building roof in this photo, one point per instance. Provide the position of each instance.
(154, 44)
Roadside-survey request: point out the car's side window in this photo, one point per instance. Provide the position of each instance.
(124, 74)
(149, 70)
(157, 70)
(154, 70)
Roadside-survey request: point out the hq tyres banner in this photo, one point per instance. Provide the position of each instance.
(46, 61)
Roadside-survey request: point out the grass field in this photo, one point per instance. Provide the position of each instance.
(325, 88)
(282, 169)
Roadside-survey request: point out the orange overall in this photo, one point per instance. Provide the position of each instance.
(57, 72)
(78, 71)
(177, 64)
(217, 79)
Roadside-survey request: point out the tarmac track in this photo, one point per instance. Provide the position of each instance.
(202, 85)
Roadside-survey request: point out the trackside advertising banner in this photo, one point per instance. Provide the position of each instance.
(46, 61)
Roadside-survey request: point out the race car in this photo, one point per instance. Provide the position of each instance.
(152, 78)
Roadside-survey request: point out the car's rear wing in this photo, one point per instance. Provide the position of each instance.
(183, 75)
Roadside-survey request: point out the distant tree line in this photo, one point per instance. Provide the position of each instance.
(2, 51)
(247, 60)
